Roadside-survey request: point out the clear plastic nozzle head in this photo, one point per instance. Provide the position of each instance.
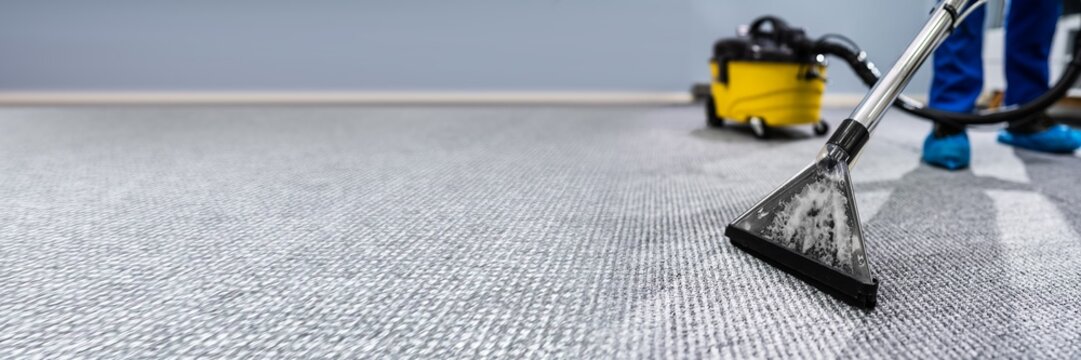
(814, 214)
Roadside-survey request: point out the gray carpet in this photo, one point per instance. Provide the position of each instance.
(504, 232)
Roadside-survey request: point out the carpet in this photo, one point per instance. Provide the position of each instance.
(503, 232)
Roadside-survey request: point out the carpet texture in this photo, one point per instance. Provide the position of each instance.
(503, 232)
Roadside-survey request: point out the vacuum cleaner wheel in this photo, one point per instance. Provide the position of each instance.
(712, 119)
(821, 127)
(759, 127)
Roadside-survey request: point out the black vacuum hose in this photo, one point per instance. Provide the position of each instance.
(865, 70)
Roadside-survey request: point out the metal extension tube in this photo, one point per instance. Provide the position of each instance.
(870, 110)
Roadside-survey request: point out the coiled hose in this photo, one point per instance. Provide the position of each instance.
(867, 72)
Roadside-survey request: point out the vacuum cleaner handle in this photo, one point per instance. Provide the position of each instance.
(854, 132)
(778, 28)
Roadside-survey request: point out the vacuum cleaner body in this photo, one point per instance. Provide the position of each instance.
(754, 88)
(752, 74)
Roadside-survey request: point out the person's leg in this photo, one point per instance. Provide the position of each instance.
(1030, 28)
(956, 83)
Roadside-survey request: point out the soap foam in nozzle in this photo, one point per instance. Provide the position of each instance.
(815, 220)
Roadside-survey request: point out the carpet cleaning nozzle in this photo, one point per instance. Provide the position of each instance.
(809, 226)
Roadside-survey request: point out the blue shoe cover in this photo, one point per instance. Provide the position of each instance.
(1060, 139)
(950, 152)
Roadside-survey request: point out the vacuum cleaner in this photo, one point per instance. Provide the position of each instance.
(809, 226)
(759, 69)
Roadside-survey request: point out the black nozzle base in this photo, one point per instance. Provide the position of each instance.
(838, 284)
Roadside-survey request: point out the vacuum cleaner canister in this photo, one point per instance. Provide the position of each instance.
(764, 80)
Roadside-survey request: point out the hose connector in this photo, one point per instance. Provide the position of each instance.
(850, 137)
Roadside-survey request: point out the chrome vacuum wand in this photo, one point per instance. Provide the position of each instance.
(809, 226)
(854, 132)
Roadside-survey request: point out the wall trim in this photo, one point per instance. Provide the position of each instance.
(368, 98)
(335, 97)
(845, 100)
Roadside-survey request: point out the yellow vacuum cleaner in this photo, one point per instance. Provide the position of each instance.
(760, 79)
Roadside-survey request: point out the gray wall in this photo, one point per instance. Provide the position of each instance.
(648, 45)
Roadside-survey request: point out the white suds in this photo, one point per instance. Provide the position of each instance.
(815, 223)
